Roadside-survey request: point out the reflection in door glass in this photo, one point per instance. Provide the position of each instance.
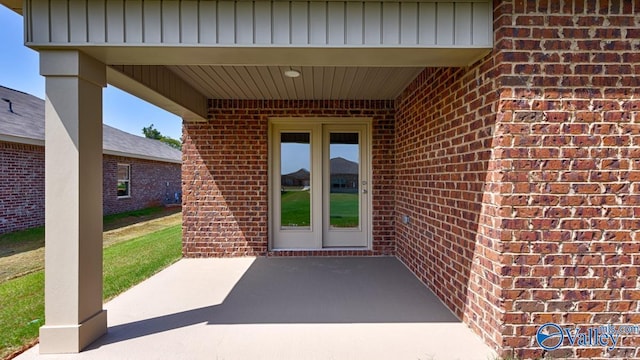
(344, 155)
(295, 180)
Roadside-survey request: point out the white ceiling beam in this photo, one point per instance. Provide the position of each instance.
(290, 56)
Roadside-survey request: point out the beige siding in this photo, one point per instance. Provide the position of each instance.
(428, 24)
(114, 16)
(78, 20)
(96, 25)
(188, 27)
(258, 23)
(445, 23)
(372, 27)
(152, 22)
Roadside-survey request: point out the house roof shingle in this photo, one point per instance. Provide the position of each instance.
(26, 125)
(343, 166)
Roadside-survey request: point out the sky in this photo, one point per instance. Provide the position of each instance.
(19, 70)
(298, 156)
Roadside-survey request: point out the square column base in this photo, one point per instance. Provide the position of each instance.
(60, 339)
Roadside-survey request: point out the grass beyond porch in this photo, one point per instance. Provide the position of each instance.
(22, 252)
(126, 263)
(296, 209)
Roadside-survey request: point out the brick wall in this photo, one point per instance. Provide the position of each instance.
(21, 186)
(148, 184)
(225, 175)
(568, 139)
(444, 136)
(520, 176)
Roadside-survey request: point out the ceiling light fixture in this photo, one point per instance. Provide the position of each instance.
(292, 73)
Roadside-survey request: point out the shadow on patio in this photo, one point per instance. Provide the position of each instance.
(280, 308)
(309, 290)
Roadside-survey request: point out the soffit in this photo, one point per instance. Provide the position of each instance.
(15, 5)
(314, 83)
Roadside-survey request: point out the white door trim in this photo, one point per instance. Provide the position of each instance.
(276, 126)
(345, 237)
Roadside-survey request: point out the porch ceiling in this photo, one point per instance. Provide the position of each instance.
(257, 73)
(314, 83)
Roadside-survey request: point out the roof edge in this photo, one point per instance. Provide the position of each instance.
(36, 142)
(21, 140)
(138, 156)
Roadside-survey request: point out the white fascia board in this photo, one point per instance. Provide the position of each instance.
(21, 140)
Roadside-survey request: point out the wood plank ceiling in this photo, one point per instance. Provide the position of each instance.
(314, 83)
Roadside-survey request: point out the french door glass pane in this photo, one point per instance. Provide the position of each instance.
(295, 180)
(344, 197)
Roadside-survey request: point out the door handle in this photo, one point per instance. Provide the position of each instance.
(364, 191)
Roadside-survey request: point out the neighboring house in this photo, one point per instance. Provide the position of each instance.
(299, 178)
(137, 172)
(499, 144)
(344, 175)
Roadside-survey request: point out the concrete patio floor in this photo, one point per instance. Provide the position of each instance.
(281, 308)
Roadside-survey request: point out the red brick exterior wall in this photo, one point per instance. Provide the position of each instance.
(444, 134)
(21, 186)
(567, 141)
(520, 176)
(225, 175)
(149, 181)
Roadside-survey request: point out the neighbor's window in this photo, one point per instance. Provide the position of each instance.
(124, 180)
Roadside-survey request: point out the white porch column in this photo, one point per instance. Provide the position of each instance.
(73, 201)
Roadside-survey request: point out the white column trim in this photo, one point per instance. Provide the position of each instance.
(74, 316)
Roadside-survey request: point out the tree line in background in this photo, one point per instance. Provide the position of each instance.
(152, 133)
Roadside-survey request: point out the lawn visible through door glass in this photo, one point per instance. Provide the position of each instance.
(295, 208)
(344, 210)
(295, 180)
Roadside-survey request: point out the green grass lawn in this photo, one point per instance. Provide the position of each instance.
(35, 234)
(125, 264)
(344, 210)
(295, 209)
(15, 242)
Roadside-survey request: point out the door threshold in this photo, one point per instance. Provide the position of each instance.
(327, 249)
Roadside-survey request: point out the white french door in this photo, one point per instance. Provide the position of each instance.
(320, 184)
